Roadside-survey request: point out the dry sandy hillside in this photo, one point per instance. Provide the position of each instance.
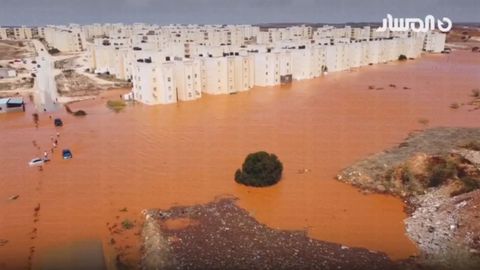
(438, 172)
(464, 37)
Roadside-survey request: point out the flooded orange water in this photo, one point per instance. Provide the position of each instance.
(187, 153)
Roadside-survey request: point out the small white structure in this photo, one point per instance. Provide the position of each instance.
(7, 73)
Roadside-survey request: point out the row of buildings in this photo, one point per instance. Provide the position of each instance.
(179, 63)
(63, 38)
(174, 63)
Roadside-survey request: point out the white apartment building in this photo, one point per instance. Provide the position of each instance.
(434, 42)
(187, 76)
(154, 83)
(65, 39)
(3, 33)
(178, 62)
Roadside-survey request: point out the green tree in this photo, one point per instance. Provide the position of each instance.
(260, 169)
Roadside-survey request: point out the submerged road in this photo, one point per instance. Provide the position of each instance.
(45, 86)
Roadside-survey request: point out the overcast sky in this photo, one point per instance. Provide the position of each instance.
(41, 12)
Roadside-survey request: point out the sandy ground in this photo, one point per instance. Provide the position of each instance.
(187, 153)
(463, 38)
(15, 50)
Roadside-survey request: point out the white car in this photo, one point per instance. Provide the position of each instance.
(36, 162)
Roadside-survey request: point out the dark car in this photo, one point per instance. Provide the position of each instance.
(67, 154)
(58, 122)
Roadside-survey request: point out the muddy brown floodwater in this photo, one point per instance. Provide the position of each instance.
(187, 153)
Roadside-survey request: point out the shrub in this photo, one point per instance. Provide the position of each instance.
(468, 184)
(54, 51)
(260, 169)
(454, 106)
(402, 57)
(80, 113)
(423, 121)
(472, 145)
(127, 224)
(116, 105)
(441, 172)
(476, 92)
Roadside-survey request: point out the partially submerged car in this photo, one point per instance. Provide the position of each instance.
(67, 154)
(36, 162)
(58, 122)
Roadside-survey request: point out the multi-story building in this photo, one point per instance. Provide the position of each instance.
(434, 42)
(180, 62)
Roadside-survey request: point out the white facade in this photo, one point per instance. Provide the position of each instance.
(154, 83)
(434, 42)
(65, 39)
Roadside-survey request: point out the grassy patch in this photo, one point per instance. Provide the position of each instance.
(454, 106)
(116, 105)
(424, 121)
(476, 93)
(127, 224)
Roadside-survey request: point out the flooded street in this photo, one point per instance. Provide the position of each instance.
(187, 153)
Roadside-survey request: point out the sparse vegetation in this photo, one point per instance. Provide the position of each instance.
(472, 145)
(76, 113)
(422, 161)
(53, 51)
(116, 105)
(260, 169)
(80, 113)
(441, 172)
(454, 106)
(468, 184)
(127, 224)
(402, 57)
(35, 119)
(423, 121)
(476, 93)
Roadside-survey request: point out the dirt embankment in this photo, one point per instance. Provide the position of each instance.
(221, 235)
(438, 173)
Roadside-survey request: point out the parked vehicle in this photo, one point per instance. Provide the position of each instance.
(67, 154)
(58, 122)
(36, 162)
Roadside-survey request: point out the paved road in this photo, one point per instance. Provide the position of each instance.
(45, 86)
